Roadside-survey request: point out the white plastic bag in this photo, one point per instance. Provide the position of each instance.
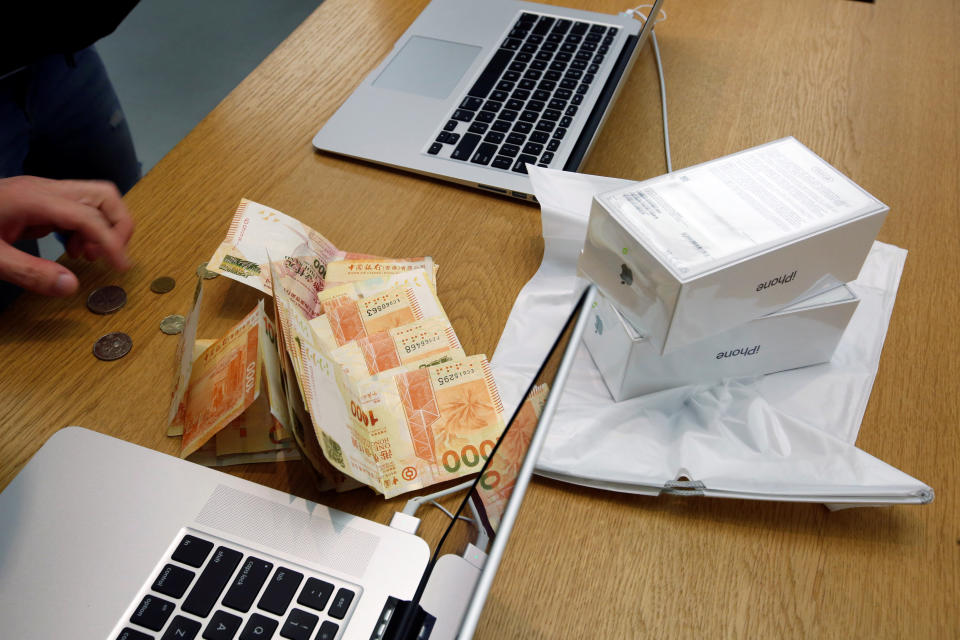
(786, 436)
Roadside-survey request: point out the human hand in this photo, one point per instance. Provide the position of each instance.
(32, 207)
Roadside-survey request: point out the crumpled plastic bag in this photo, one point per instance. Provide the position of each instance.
(785, 436)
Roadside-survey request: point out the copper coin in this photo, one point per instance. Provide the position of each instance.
(172, 325)
(113, 346)
(164, 284)
(205, 273)
(106, 299)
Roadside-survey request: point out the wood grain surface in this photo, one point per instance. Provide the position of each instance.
(870, 87)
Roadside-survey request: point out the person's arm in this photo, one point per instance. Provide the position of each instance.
(93, 211)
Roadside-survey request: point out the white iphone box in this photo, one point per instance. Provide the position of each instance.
(701, 250)
(802, 334)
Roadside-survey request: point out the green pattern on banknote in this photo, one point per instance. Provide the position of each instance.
(239, 266)
(332, 448)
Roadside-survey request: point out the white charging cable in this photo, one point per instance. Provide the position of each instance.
(635, 12)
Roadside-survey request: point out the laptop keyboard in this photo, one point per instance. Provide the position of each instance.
(219, 592)
(521, 106)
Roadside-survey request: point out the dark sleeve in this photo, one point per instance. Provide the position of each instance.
(32, 30)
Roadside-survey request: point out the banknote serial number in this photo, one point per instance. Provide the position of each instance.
(452, 377)
(383, 306)
(416, 346)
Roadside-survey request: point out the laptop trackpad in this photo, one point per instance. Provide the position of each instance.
(427, 67)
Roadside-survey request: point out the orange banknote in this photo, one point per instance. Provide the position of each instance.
(224, 381)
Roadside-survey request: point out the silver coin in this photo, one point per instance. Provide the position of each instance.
(205, 273)
(172, 325)
(113, 346)
(106, 299)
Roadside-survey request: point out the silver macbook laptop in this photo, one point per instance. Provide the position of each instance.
(475, 90)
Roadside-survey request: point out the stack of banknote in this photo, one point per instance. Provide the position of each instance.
(365, 371)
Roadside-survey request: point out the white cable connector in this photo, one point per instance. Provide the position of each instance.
(405, 522)
(413, 504)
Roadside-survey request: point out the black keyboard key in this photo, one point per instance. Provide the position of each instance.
(585, 56)
(502, 162)
(567, 84)
(583, 88)
(598, 28)
(173, 581)
(533, 148)
(522, 127)
(527, 19)
(593, 68)
(182, 629)
(563, 57)
(539, 65)
(598, 58)
(471, 104)
(593, 37)
(512, 76)
(222, 626)
(574, 38)
(192, 551)
(568, 47)
(607, 40)
(571, 110)
(563, 94)
(450, 126)
(515, 105)
(539, 136)
(551, 114)
(478, 127)
(520, 166)
(544, 56)
(557, 104)
(499, 96)
(258, 627)
(516, 66)
(528, 48)
(315, 594)
(532, 74)
(579, 27)
(547, 85)
(284, 582)
(299, 625)
(612, 31)
(602, 49)
(543, 25)
(541, 95)
(549, 47)
(484, 154)
(565, 121)
(527, 84)
(510, 44)
(577, 99)
(435, 148)
(579, 65)
(466, 147)
(490, 73)
(152, 612)
(212, 581)
(562, 26)
(557, 66)
(559, 133)
(462, 115)
(520, 94)
(529, 116)
(516, 138)
(535, 105)
(492, 105)
(555, 37)
(522, 56)
(510, 150)
(553, 76)
(328, 630)
(573, 74)
(341, 602)
(503, 85)
(494, 136)
(535, 39)
(547, 157)
(553, 145)
(247, 584)
(443, 137)
(132, 634)
(546, 125)
(508, 114)
(500, 125)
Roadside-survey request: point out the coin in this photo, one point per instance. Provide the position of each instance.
(113, 346)
(172, 325)
(163, 284)
(106, 299)
(205, 273)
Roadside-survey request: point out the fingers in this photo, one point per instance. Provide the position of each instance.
(74, 206)
(35, 274)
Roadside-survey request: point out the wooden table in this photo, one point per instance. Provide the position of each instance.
(872, 88)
